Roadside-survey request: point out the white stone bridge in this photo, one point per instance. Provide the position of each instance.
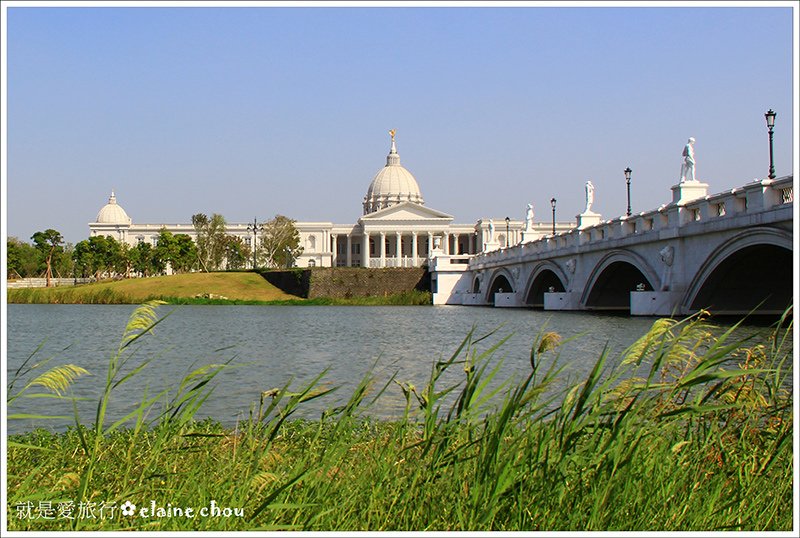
(729, 253)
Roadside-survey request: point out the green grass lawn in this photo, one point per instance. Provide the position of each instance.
(235, 286)
(197, 288)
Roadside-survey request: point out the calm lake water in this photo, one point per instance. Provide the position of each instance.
(271, 345)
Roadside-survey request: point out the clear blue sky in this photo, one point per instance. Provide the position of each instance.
(258, 111)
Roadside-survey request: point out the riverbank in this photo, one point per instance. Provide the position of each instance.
(222, 288)
(700, 441)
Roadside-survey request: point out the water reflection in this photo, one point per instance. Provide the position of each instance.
(272, 345)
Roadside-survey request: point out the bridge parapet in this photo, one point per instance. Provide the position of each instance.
(753, 198)
(695, 251)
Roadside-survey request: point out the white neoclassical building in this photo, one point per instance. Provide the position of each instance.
(396, 229)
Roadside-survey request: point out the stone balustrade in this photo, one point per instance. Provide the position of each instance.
(754, 197)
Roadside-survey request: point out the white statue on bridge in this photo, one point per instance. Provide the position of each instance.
(589, 196)
(687, 168)
(529, 218)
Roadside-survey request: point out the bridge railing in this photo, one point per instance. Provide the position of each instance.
(757, 196)
(754, 197)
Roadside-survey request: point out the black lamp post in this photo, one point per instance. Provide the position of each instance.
(770, 115)
(508, 231)
(553, 205)
(255, 228)
(628, 181)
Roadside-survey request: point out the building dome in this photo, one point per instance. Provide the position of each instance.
(111, 213)
(392, 185)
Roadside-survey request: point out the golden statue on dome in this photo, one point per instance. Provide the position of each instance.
(392, 132)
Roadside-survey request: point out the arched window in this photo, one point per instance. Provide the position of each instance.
(312, 243)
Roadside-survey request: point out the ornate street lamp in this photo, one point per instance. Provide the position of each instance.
(770, 115)
(508, 230)
(628, 181)
(553, 205)
(255, 227)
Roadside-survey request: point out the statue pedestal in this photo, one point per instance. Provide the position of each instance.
(587, 219)
(490, 246)
(688, 191)
(528, 236)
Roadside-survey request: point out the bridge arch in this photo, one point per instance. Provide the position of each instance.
(753, 266)
(501, 279)
(546, 275)
(613, 278)
(476, 283)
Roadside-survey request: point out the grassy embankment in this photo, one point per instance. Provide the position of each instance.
(193, 288)
(702, 441)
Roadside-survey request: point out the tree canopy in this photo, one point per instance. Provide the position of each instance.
(49, 243)
(280, 242)
(211, 240)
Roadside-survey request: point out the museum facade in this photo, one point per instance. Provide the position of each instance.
(396, 228)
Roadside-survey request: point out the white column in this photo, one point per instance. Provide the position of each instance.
(365, 250)
(383, 249)
(349, 253)
(430, 243)
(399, 249)
(334, 250)
(414, 249)
(446, 242)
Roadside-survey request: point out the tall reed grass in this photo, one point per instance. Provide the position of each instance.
(689, 431)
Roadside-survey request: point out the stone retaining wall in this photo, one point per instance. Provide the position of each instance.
(346, 282)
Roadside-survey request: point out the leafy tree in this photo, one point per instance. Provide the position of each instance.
(142, 259)
(166, 250)
(23, 258)
(177, 250)
(280, 242)
(99, 254)
(88, 256)
(82, 258)
(112, 257)
(200, 223)
(124, 262)
(211, 240)
(48, 243)
(237, 253)
(186, 253)
(64, 265)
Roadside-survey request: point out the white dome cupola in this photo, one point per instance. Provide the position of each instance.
(392, 185)
(112, 213)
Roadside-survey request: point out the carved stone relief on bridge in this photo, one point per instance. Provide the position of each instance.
(668, 257)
